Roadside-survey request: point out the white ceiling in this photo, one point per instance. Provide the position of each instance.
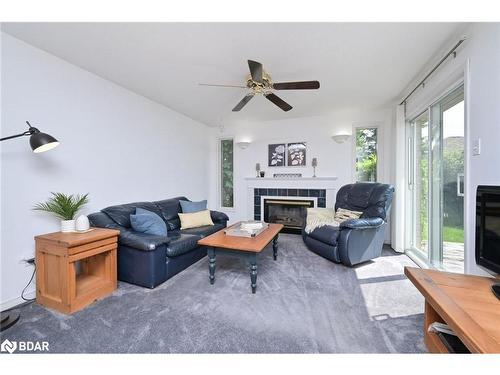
(359, 65)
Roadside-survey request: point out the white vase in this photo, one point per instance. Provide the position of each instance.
(82, 223)
(67, 226)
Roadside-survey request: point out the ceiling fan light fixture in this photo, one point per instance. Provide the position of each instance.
(260, 82)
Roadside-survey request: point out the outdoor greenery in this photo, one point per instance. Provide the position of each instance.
(366, 154)
(227, 173)
(453, 159)
(63, 206)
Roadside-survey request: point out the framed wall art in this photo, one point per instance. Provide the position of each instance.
(296, 154)
(277, 155)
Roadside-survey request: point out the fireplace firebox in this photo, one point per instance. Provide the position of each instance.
(289, 212)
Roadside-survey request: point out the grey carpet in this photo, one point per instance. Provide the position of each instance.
(304, 304)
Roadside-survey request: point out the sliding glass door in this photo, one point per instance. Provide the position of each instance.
(435, 225)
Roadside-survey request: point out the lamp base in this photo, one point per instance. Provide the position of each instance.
(8, 320)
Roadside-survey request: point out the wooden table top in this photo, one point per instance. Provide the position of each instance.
(251, 244)
(465, 302)
(72, 239)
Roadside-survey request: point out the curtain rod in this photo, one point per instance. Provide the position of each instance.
(452, 51)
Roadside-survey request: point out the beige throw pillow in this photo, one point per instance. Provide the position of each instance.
(343, 215)
(195, 219)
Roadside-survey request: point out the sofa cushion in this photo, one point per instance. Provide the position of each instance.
(101, 220)
(182, 244)
(219, 217)
(170, 209)
(190, 207)
(205, 230)
(120, 214)
(141, 241)
(145, 221)
(327, 234)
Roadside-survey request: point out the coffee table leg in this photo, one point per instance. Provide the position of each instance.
(253, 271)
(275, 247)
(211, 263)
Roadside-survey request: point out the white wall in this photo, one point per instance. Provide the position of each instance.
(333, 159)
(116, 145)
(478, 61)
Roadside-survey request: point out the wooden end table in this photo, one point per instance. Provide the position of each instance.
(75, 269)
(247, 247)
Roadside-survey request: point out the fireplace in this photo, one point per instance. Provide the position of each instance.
(289, 212)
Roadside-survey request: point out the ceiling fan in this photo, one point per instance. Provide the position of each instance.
(259, 82)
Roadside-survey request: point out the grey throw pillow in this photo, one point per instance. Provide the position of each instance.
(145, 221)
(190, 207)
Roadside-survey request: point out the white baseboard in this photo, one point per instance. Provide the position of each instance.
(17, 301)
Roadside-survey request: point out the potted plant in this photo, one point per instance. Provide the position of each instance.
(63, 207)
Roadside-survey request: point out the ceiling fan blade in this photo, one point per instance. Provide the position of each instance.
(303, 85)
(255, 70)
(279, 102)
(210, 84)
(243, 102)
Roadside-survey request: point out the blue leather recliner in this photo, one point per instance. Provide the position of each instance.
(355, 240)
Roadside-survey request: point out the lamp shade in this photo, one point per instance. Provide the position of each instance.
(41, 142)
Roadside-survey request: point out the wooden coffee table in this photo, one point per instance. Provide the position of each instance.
(249, 248)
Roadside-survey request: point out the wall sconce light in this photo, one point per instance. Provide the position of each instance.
(340, 138)
(243, 145)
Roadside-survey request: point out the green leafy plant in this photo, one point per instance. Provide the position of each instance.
(63, 206)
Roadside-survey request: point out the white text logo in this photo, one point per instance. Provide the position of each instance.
(24, 346)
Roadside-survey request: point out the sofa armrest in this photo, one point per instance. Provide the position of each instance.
(141, 241)
(218, 217)
(373, 222)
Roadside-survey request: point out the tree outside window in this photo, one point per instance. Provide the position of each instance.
(366, 154)
(227, 192)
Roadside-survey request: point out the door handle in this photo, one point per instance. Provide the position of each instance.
(460, 183)
(410, 163)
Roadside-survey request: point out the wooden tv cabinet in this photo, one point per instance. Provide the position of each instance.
(465, 303)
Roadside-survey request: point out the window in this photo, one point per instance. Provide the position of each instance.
(366, 154)
(227, 193)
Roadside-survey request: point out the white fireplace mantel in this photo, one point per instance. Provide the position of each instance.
(292, 183)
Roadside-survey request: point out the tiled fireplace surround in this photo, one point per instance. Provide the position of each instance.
(260, 193)
(321, 190)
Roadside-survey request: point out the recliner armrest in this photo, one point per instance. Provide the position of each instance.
(373, 222)
(141, 241)
(218, 217)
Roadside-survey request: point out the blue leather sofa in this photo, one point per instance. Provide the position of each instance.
(355, 240)
(149, 260)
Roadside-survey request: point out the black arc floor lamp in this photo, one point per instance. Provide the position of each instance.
(39, 142)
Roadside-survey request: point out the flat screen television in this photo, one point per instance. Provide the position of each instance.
(488, 227)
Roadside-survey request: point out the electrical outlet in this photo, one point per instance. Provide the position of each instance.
(476, 146)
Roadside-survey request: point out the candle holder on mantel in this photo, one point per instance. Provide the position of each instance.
(257, 169)
(314, 165)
